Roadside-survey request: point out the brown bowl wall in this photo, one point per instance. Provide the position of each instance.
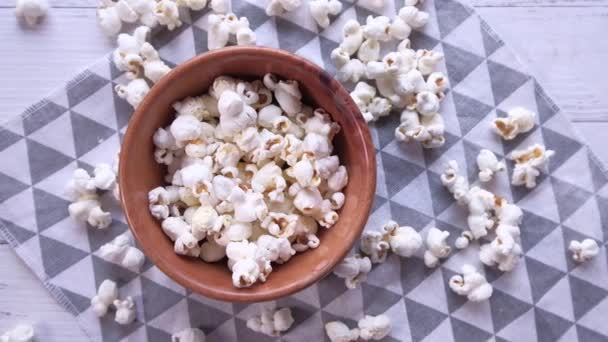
(139, 173)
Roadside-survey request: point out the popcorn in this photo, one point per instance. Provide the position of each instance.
(82, 191)
(288, 95)
(119, 251)
(374, 246)
(374, 327)
(427, 103)
(413, 17)
(339, 332)
(133, 92)
(352, 37)
(248, 206)
(219, 6)
(104, 177)
(454, 182)
(278, 7)
(235, 115)
(369, 50)
(145, 10)
(271, 322)
(195, 5)
(348, 69)
(154, 67)
(504, 251)
(427, 61)
(189, 334)
(518, 120)
(528, 164)
(437, 247)
(471, 284)
(377, 29)
(125, 311)
(31, 10)
(211, 251)
(245, 186)
(404, 78)
(126, 56)
(354, 270)
(237, 231)
(221, 26)
(371, 106)
(583, 250)
(463, 240)
(322, 9)
(488, 165)
(167, 14)
(111, 14)
(480, 204)
(107, 293)
(20, 333)
(403, 241)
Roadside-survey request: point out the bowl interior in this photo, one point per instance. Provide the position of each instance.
(139, 173)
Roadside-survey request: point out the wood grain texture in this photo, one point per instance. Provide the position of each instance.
(23, 298)
(564, 42)
(37, 60)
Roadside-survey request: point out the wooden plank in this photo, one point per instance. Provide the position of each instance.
(477, 3)
(539, 3)
(37, 60)
(566, 48)
(23, 298)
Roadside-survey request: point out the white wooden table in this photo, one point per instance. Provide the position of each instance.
(564, 41)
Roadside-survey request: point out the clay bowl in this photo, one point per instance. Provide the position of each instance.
(139, 173)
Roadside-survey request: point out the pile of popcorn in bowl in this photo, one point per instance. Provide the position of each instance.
(251, 176)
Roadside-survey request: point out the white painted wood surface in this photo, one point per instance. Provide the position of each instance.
(563, 41)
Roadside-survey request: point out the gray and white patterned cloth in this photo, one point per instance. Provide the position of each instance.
(546, 298)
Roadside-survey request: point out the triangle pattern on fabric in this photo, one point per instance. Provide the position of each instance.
(398, 173)
(412, 217)
(377, 300)
(549, 327)
(584, 296)
(506, 309)
(7, 138)
(564, 146)
(291, 36)
(44, 161)
(534, 228)
(569, 197)
(491, 41)
(9, 187)
(542, 277)
(470, 111)
(459, 63)
(504, 80)
(422, 319)
(464, 331)
(57, 256)
(205, 317)
(83, 86)
(45, 112)
(450, 14)
(18, 233)
(50, 209)
(156, 298)
(88, 133)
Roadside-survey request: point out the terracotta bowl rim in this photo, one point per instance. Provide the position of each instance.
(308, 278)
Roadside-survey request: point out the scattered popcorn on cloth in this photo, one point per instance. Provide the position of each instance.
(81, 124)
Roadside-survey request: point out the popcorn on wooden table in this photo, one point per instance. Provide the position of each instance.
(31, 10)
